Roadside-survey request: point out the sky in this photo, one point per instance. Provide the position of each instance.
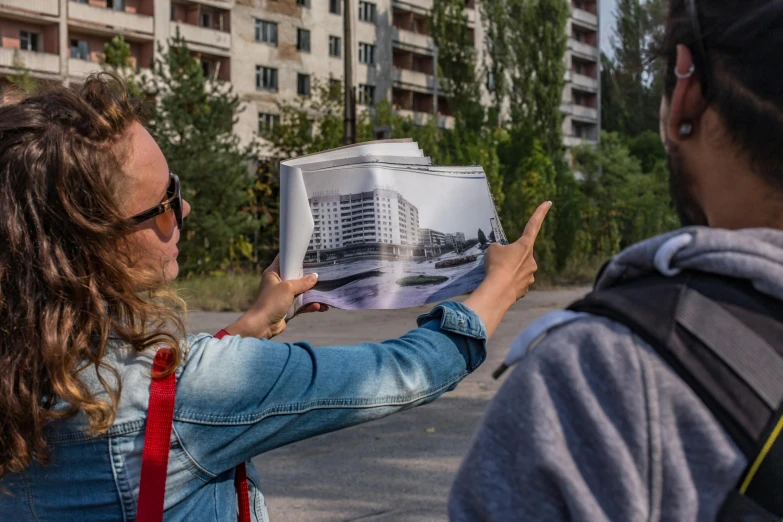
(607, 8)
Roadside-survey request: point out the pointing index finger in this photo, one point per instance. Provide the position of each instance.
(536, 220)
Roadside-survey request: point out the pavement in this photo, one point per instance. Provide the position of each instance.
(396, 469)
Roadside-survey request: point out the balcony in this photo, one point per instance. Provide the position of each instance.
(82, 68)
(45, 7)
(585, 83)
(422, 118)
(220, 4)
(583, 50)
(414, 79)
(584, 18)
(575, 141)
(210, 38)
(410, 39)
(567, 108)
(104, 17)
(36, 62)
(583, 113)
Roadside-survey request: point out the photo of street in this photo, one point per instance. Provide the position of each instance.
(389, 245)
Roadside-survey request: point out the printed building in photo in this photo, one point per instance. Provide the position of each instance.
(380, 216)
(431, 237)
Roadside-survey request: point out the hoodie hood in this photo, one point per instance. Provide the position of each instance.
(752, 254)
(755, 255)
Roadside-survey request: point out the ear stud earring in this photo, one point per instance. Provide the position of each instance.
(686, 129)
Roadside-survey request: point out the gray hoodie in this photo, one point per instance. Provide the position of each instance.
(591, 425)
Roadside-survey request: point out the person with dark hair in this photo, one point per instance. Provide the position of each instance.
(659, 395)
(107, 410)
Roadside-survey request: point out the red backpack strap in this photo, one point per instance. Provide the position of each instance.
(157, 442)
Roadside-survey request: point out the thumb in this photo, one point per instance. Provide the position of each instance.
(300, 286)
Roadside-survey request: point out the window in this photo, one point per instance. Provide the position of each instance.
(117, 5)
(29, 41)
(303, 3)
(266, 78)
(367, 12)
(335, 46)
(366, 94)
(267, 122)
(366, 53)
(303, 40)
(335, 89)
(334, 6)
(207, 68)
(205, 20)
(303, 84)
(80, 50)
(266, 32)
(491, 81)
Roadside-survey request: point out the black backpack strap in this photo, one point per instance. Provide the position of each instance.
(725, 340)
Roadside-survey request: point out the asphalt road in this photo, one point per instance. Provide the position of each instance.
(399, 468)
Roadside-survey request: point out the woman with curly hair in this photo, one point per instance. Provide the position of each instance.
(90, 217)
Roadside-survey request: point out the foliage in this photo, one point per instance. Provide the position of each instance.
(631, 83)
(537, 44)
(21, 79)
(623, 203)
(457, 63)
(117, 58)
(193, 121)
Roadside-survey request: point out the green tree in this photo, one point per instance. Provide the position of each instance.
(631, 83)
(536, 44)
(193, 121)
(21, 79)
(117, 58)
(457, 63)
(497, 23)
(482, 238)
(648, 149)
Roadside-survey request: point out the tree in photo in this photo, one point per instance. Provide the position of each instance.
(193, 121)
(482, 238)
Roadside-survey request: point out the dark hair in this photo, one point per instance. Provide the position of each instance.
(742, 40)
(66, 280)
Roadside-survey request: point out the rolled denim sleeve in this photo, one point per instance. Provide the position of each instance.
(240, 397)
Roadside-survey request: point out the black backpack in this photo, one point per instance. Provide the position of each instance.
(725, 340)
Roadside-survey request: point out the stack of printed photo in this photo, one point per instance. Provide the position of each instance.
(383, 227)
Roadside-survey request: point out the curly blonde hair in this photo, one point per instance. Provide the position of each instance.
(67, 280)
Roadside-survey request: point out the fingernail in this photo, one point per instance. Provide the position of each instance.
(313, 277)
(549, 203)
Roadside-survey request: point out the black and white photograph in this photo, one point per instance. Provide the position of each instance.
(394, 237)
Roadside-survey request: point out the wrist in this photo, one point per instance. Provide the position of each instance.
(251, 324)
(501, 290)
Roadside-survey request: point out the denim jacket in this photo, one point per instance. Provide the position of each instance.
(236, 398)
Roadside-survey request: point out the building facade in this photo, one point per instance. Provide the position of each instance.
(377, 216)
(431, 237)
(275, 50)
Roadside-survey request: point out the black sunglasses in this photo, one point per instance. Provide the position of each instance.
(693, 13)
(173, 202)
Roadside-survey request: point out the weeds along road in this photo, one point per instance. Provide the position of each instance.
(399, 468)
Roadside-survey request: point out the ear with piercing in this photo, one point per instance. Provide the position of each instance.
(688, 74)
